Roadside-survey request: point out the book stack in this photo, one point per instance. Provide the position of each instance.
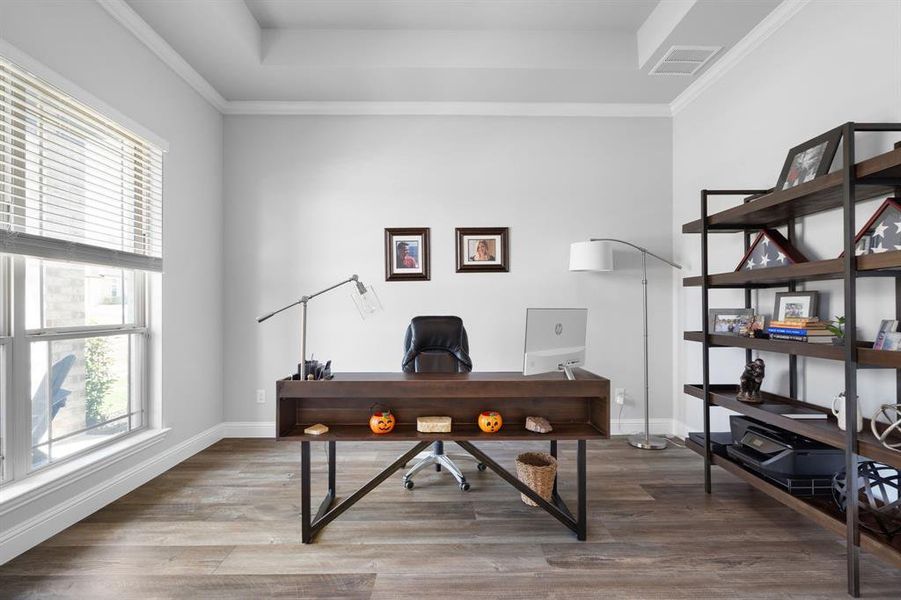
(798, 329)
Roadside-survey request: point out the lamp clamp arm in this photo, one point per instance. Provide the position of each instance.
(307, 298)
(639, 248)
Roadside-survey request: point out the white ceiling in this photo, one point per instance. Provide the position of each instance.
(464, 15)
(487, 51)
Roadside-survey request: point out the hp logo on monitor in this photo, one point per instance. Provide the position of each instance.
(558, 328)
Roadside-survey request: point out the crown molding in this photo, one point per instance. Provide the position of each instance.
(763, 30)
(132, 21)
(128, 18)
(469, 109)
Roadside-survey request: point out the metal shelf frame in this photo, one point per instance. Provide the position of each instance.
(849, 185)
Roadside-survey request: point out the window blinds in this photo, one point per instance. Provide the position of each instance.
(73, 184)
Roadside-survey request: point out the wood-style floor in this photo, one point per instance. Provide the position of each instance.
(224, 524)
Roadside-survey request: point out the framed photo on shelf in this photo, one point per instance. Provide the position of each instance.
(809, 160)
(770, 249)
(892, 341)
(485, 249)
(730, 321)
(407, 254)
(795, 305)
(887, 326)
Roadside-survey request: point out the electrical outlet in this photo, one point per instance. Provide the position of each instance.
(620, 396)
(261, 396)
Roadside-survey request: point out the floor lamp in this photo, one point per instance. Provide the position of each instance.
(597, 255)
(365, 298)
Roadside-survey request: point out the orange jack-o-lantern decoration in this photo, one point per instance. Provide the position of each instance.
(490, 421)
(382, 422)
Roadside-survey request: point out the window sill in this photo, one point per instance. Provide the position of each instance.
(18, 493)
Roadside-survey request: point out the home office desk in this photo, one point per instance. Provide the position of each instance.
(578, 410)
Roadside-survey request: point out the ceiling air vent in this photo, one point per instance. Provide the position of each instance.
(684, 60)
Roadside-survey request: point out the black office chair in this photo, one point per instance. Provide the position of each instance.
(437, 345)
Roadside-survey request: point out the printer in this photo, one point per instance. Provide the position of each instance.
(802, 465)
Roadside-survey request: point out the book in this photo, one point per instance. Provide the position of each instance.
(788, 338)
(786, 331)
(796, 325)
(794, 412)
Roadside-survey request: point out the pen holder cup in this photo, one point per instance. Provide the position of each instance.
(538, 471)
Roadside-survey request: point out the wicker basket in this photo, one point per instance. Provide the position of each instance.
(537, 470)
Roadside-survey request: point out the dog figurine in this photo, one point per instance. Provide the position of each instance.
(749, 390)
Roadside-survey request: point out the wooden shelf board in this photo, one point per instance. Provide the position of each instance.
(820, 194)
(866, 356)
(461, 431)
(885, 263)
(825, 431)
(820, 510)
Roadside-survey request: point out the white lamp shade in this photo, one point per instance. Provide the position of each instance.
(590, 256)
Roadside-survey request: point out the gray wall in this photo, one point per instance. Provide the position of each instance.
(308, 198)
(832, 62)
(82, 43)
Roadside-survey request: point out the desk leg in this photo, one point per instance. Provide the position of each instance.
(582, 522)
(554, 454)
(331, 468)
(306, 530)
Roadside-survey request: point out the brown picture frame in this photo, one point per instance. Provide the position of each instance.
(497, 237)
(420, 255)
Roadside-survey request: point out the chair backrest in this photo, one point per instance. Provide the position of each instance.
(40, 417)
(436, 345)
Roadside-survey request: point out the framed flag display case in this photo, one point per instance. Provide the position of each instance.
(770, 249)
(882, 233)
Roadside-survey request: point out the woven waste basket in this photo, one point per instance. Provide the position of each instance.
(537, 470)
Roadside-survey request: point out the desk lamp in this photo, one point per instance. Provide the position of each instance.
(365, 299)
(597, 255)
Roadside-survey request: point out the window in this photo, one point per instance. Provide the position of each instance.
(80, 226)
(85, 339)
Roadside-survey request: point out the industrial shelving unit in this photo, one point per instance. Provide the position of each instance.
(842, 189)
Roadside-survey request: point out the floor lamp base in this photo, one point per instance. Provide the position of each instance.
(647, 442)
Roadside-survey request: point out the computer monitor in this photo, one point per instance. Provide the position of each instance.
(555, 340)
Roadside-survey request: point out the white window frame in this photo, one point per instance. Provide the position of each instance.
(20, 484)
(5, 368)
(17, 404)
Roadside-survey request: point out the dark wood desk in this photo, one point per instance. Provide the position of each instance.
(578, 410)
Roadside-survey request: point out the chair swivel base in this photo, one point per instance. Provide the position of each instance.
(441, 460)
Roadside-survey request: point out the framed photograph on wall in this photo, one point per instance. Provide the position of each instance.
(407, 254)
(795, 305)
(809, 160)
(485, 249)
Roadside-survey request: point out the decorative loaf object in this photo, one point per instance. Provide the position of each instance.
(317, 429)
(433, 424)
(538, 425)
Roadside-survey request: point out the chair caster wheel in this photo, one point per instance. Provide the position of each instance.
(481, 466)
(408, 483)
(464, 487)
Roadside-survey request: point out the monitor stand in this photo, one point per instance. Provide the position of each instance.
(568, 371)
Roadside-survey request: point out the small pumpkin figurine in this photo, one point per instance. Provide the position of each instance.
(382, 421)
(490, 421)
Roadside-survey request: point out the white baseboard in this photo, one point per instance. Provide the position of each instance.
(248, 429)
(32, 532)
(629, 426)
